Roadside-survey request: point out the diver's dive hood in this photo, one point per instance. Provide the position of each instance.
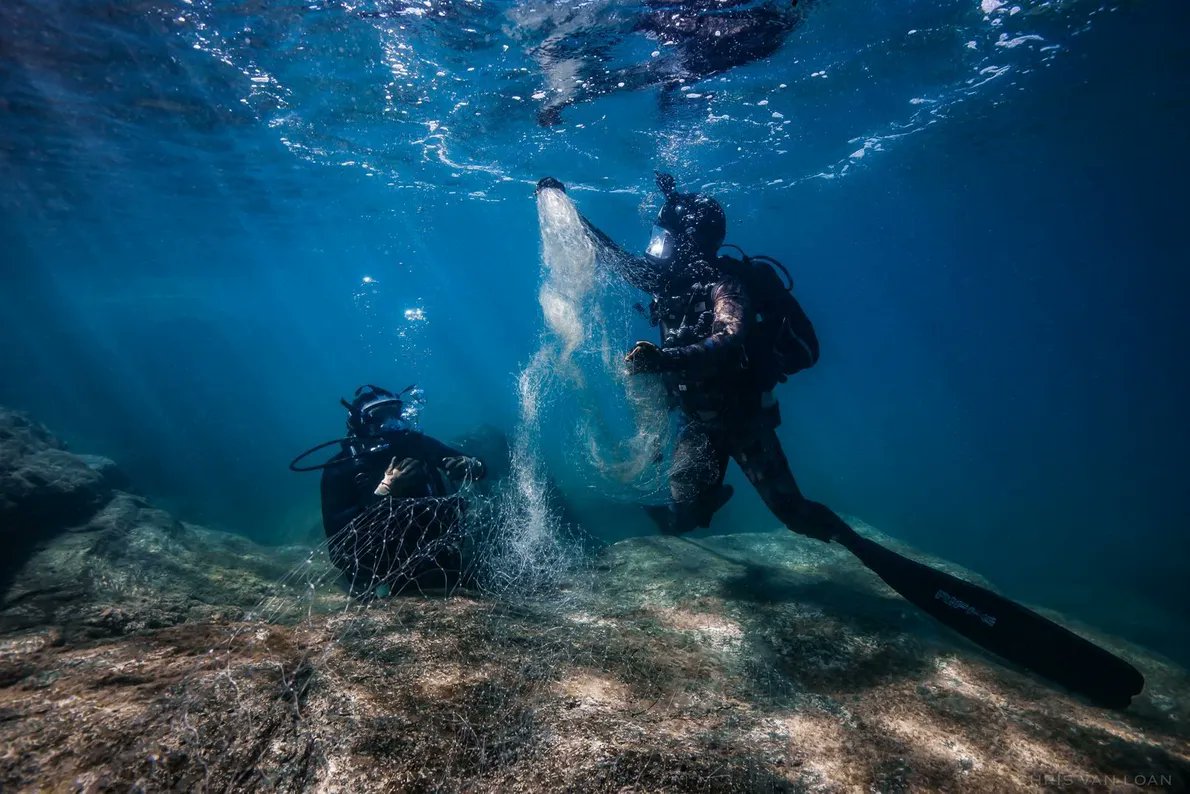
(690, 226)
(375, 410)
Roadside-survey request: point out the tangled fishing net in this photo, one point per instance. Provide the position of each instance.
(608, 428)
(485, 673)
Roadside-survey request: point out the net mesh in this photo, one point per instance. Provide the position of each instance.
(398, 543)
(505, 678)
(609, 428)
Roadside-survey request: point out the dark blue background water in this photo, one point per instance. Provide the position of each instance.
(999, 281)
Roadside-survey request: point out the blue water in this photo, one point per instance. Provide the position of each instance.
(218, 218)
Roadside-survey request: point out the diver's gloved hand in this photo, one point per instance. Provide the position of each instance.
(462, 467)
(645, 357)
(395, 472)
(549, 181)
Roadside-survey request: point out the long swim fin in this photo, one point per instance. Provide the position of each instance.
(1003, 626)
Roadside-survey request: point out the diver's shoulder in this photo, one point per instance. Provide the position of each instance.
(728, 278)
(411, 437)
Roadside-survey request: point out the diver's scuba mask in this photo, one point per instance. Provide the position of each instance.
(662, 246)
(376, 411)
(385, 417)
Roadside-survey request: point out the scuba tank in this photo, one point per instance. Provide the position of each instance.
(782, 342)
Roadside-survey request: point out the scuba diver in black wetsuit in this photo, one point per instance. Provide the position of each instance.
(700, 39)
(730, 332)
(390, 498)
(716, 35)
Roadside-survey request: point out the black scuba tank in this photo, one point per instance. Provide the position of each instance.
(782, 341)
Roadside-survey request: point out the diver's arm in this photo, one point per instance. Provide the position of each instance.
(446, 457)
(609, 245)
(428, 448)
(636, 270)
(346, 488)
(730, 305)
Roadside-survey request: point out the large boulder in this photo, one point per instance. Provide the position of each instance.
(133, 567)
(43, 487)
(489, 444)
(90, 560)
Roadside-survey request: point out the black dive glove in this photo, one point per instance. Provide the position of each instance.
(398, 475)
(646, 357)
(549, 181)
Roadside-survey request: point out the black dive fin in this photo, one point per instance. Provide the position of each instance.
(1004, 627)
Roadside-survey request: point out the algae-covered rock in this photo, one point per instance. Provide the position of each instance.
(134, 567)
(42, 486)
(90, 560)
(141, 653)
(740, 663)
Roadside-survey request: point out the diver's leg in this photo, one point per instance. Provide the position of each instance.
(440, 566)
(758, 452)
(695, 480)
(696, 463)
(344, 550)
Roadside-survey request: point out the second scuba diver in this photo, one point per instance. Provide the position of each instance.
(390, 503)
(730, 332)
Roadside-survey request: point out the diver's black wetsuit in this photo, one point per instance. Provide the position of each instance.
(712, 39)
(700, 39)
(398, 538)
(704, 320)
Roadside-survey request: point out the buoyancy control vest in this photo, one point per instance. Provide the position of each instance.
(688, 318)
(779, 338)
